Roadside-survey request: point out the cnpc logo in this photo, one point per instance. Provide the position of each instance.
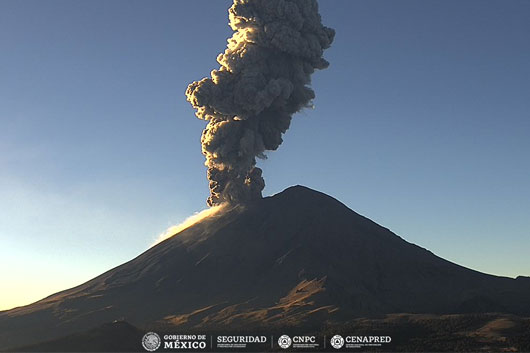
(285, 341)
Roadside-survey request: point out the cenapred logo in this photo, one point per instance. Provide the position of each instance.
(151, 341)
(337, 341)
(284, 341)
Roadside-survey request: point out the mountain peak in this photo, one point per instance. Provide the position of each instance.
(298, 258)
(300, 193)
(301, 190)
(298, 189)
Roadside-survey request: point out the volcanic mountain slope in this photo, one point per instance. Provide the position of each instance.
(297, 258)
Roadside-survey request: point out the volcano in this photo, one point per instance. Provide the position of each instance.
(297, 259)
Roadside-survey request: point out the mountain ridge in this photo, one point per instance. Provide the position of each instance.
(299, 258)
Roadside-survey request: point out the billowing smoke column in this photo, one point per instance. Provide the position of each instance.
(263, 80)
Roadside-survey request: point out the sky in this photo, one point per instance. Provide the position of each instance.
(421, 123)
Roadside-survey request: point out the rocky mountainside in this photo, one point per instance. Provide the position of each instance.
(299, 258)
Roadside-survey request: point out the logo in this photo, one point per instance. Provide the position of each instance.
(179, 341)
(240, 341)
(366, 341)
(151, 341)
(284, 341)
(337, 341)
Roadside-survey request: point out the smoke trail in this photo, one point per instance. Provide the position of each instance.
(188, 222)
(263, 80)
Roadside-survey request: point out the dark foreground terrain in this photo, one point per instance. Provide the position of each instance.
(409, 333)
(299, 260)
(442, 333)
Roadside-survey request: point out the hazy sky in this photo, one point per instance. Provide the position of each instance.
(421, 123)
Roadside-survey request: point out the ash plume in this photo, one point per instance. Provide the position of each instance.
(190, 221)
(263, 80)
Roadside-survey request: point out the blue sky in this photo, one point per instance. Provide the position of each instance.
(421, 123)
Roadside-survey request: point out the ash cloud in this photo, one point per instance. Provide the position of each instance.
(263, 80)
